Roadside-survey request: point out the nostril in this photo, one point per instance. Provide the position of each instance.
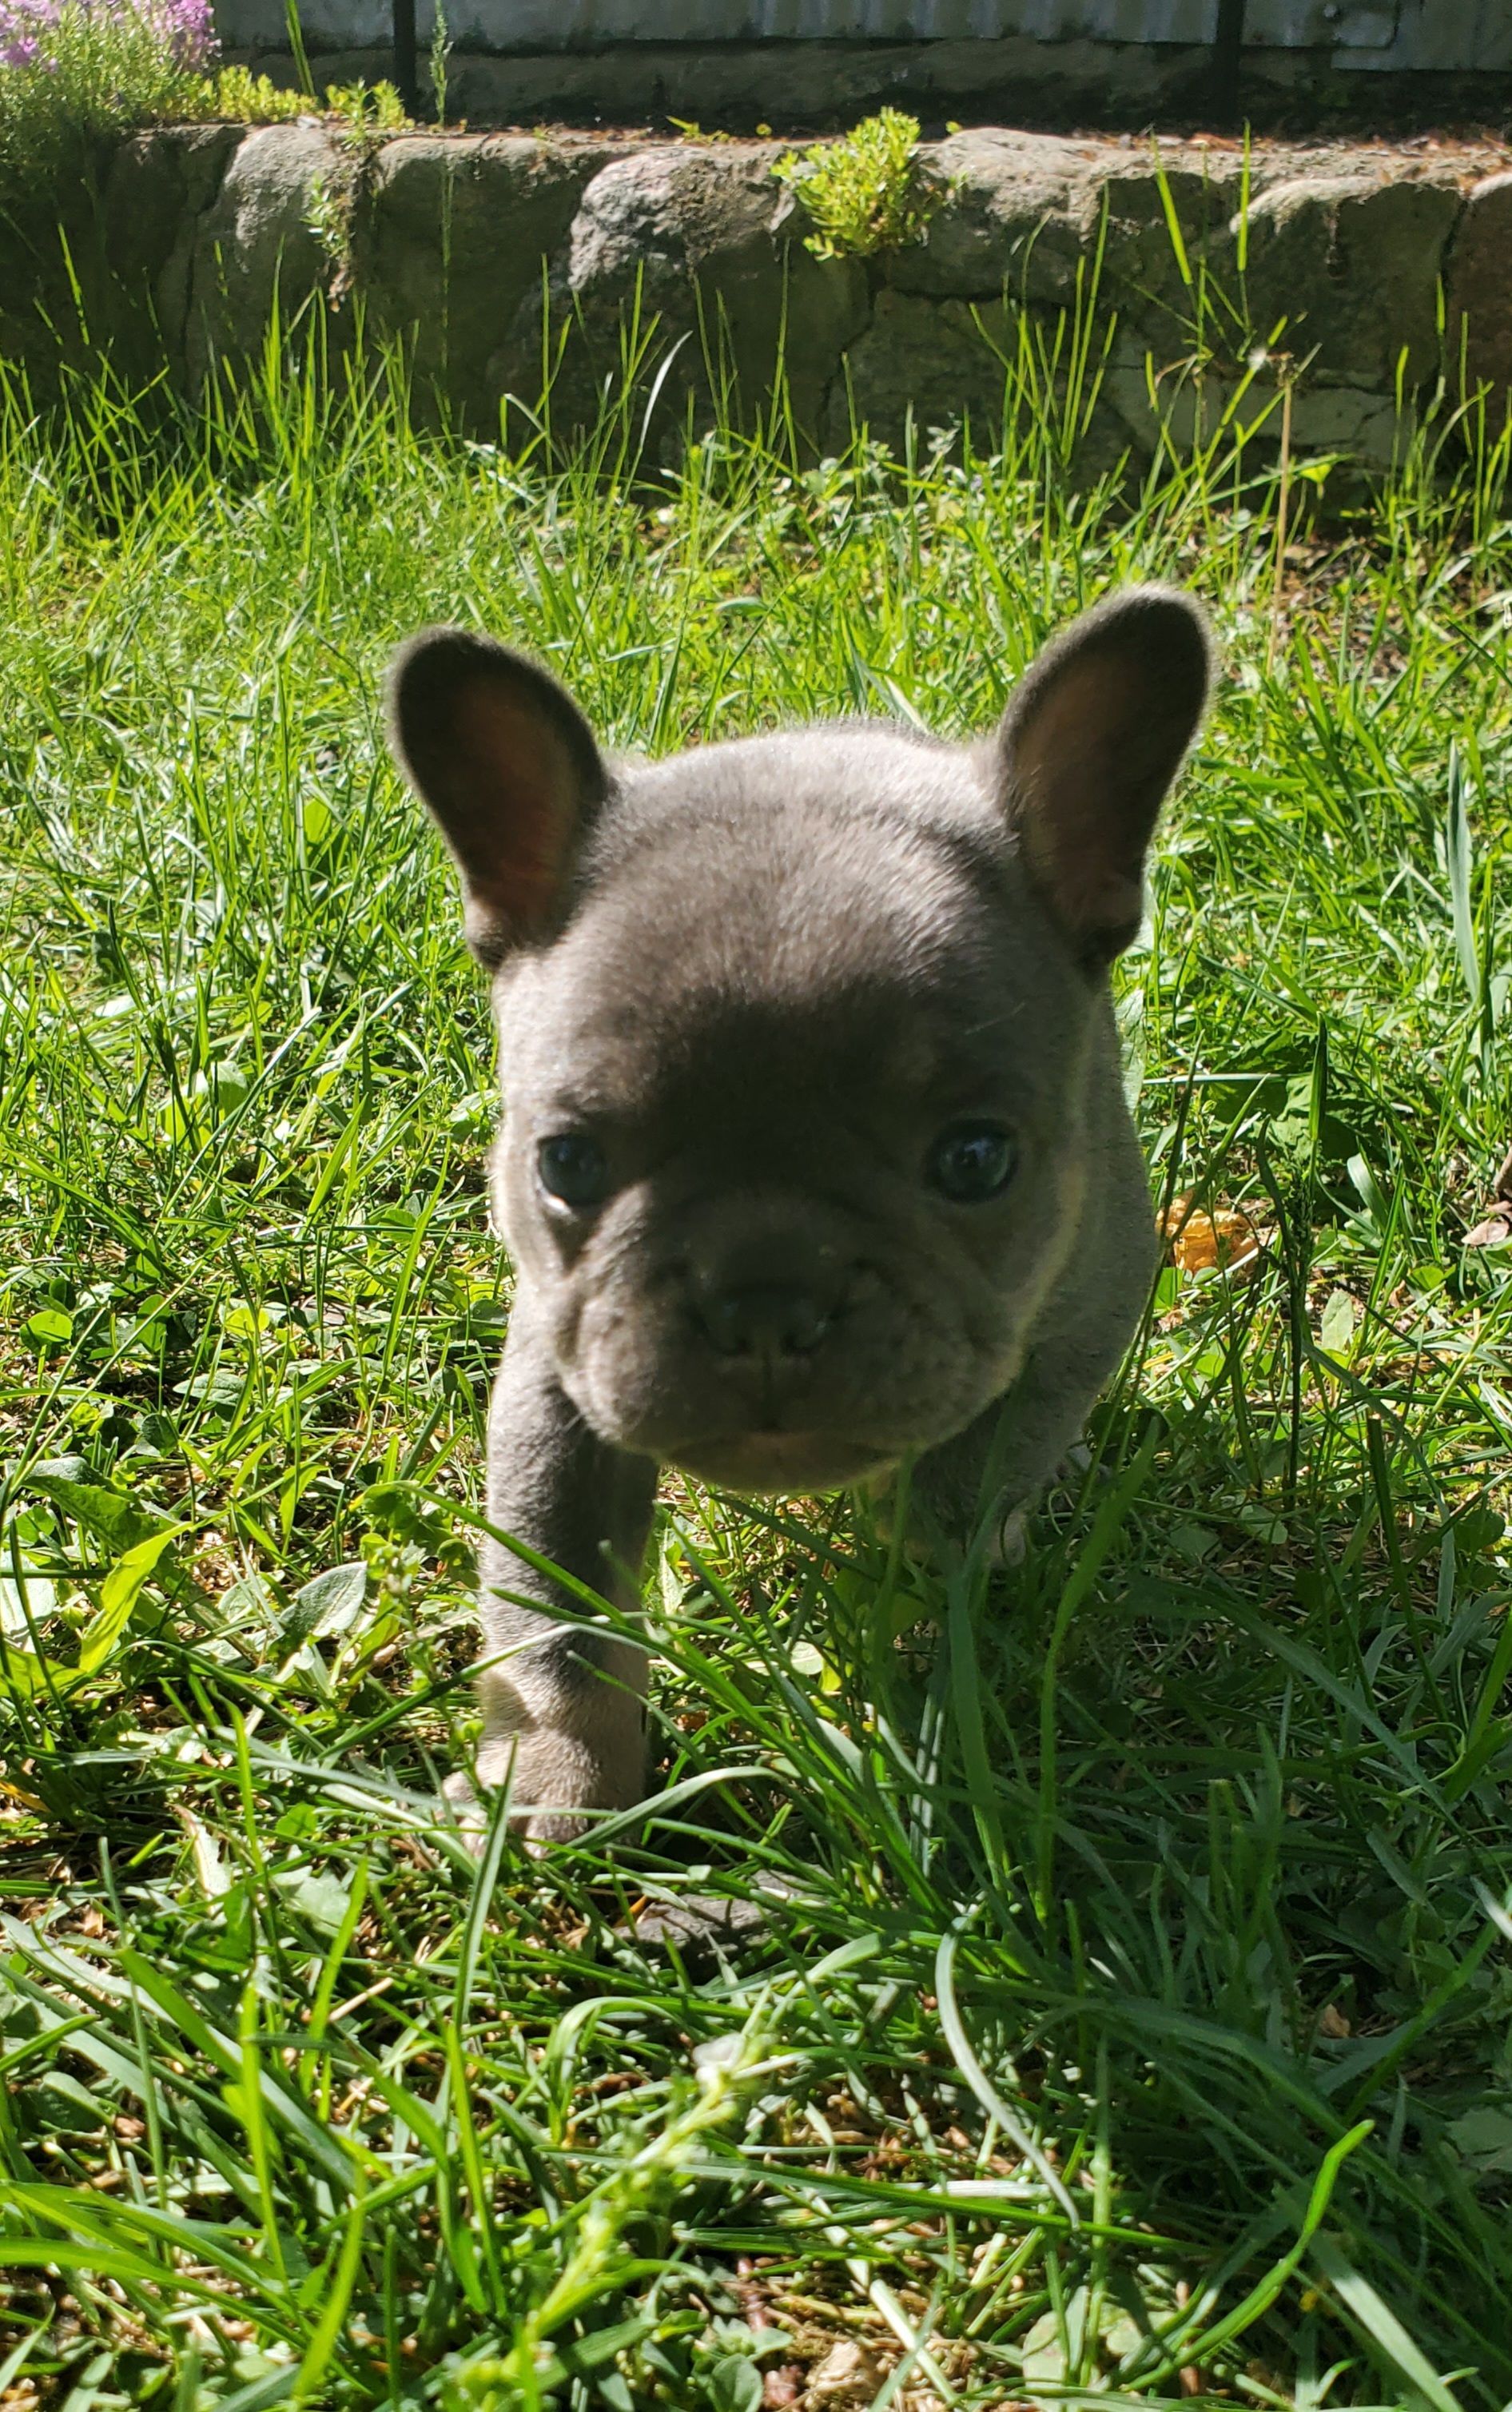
(763, 1319)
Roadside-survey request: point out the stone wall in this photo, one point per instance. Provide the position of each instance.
(1363, 267)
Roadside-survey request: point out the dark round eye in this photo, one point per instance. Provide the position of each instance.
(573, 1169)
(973, 1162)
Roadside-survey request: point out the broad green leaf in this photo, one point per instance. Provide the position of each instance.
(321, 1899)
(50, 1327)
(735, 2384)
(327, 1605)
(112, 1517)
(1336, 1331)
(119, 1594)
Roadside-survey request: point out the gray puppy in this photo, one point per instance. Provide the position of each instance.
(814, 1150)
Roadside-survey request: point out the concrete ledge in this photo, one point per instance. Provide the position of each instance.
(736, 85)
(818, 86)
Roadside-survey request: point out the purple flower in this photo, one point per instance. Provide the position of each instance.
(22, 23)
(186, 29)
(181, 30)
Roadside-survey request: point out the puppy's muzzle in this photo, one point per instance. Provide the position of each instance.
(772, 1321)
(764, 1391)
(763, 1298)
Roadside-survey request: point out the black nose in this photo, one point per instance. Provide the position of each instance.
(763, 1319)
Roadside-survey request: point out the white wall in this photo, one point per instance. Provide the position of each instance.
(1462, 35)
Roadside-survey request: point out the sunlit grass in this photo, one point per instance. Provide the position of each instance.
(1130, 2012)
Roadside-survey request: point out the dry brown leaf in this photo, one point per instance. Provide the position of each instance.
(847, 2374)
(1196, 1241)
(1333, 2024)
(783, 2387)
(1495, 1231)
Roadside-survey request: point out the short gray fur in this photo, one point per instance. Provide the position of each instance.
(771, 993)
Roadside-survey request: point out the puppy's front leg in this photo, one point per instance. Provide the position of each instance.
(563, 1706)
(997, 1466)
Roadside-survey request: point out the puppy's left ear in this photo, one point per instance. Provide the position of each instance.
(508, 766)
(1088, 745)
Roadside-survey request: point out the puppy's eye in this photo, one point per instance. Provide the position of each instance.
(573, 1169)
(973, 1162)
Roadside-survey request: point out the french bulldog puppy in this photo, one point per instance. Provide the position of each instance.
(814, 1151)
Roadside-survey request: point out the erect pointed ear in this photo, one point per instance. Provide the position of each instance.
(1090, 743)
(508, 766)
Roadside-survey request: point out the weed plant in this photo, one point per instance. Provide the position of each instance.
(76, 76)
(864, 193)
(1129, 2014)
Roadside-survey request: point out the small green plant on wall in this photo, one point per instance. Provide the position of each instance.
(364, 116)
(864, 193)
(365, 110)
(235, 96)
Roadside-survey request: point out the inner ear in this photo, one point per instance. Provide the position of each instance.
(1089, 746)
(509, 767)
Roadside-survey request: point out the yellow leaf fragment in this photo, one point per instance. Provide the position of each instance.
(1197, 1240)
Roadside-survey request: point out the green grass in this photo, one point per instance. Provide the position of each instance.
(1133, 2014)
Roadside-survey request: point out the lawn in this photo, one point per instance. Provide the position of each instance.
(1130, 2012)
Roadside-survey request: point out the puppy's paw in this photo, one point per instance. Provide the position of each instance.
(461, 1808)
(556, 1782)
(1009, 1545)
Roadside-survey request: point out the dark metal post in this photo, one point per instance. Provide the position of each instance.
(1227, 58)
(406, 73)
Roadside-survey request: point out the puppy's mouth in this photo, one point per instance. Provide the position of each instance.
(782, 1461)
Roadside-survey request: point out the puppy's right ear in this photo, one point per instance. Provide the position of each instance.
(508, 766)
(1088, 745)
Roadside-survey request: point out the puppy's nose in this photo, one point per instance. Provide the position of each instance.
(770, 1319)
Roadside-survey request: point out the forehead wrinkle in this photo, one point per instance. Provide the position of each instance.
(705, 1039)
(760, 924)
(868, 947)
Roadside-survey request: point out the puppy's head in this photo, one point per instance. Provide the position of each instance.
(799, 1034)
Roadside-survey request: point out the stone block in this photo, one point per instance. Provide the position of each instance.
(1007, 219)
(1155, 278)
(450, 237)
(698, 250)
(1480, 290)
(944, 361)
(157, 189)
(1351, 265)
(1361, 425)
(255, 248)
